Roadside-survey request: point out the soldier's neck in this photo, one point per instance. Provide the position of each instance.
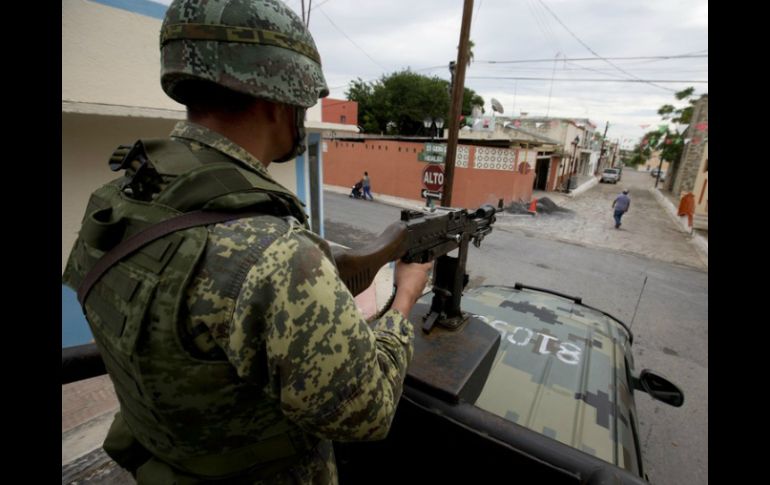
(253, 134)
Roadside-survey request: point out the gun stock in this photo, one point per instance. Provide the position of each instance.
(358, 267)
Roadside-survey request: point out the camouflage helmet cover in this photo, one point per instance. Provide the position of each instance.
(256, 47)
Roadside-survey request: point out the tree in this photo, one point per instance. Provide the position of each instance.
(680, 116)
(471, 45)
(397, 103)
(670, 143)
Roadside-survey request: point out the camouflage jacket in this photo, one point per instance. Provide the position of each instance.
(265, 301)
(329, 371)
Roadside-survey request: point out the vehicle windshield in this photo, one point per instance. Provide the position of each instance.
(611, 170)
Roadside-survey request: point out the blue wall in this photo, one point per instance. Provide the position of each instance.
(142, 7)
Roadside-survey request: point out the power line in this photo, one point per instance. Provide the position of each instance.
(575, 59)
(351, 40)
(647, 81)
(572, 67)
(442, 66)
(591, 50)
(551, 40)
(322, 3)
(546, 25)
(476, 14)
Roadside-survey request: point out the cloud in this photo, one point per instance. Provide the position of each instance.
(391, 35)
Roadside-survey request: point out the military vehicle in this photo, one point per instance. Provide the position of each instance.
(518, 378)
(554, 401)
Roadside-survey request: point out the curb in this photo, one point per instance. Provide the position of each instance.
(385, 199)
(583, 188)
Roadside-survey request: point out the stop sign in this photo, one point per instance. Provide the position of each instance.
(433, 177)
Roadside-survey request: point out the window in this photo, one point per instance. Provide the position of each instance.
(343, 119)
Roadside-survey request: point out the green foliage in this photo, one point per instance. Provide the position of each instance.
(397, 103)
(670, 144)
(682, 115)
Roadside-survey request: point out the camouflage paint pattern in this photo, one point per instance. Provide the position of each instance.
(256, 47)
(560, 371)
(231, 344)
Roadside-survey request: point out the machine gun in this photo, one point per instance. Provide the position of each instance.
(421, 237)
(452, 362)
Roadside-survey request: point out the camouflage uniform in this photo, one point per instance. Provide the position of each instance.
(236, 351)
(328, 371)
(265, 300)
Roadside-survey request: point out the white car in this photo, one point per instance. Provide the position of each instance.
(610, 175)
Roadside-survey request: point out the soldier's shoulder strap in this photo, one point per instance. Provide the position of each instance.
(150, 234)
(205, 179)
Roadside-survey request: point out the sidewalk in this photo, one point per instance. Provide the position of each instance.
(698, 238)
(385, 199)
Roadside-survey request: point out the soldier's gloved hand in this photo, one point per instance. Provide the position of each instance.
(410, 281)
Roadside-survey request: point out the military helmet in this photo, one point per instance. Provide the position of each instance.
(255, 47)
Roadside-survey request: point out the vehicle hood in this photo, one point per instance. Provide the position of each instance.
(560, 370)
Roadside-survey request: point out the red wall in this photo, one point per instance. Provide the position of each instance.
(332, 111)
(394, 170)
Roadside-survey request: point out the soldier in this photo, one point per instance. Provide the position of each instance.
(236, 351)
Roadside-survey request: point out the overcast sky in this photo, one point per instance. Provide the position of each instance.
(369, 38)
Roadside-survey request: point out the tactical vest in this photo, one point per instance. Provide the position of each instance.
(190, 411)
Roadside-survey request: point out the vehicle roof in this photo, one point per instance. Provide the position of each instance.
(560, 370)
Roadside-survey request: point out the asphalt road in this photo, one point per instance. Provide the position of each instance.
(665, 303)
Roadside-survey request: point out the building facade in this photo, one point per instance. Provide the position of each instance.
(484, 172)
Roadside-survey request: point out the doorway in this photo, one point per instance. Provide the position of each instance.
(541, 173)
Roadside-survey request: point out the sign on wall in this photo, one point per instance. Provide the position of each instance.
(433, 153)
(436, 153)
(433, 178)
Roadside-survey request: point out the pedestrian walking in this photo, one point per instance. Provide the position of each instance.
(367, 186)
(621, 204)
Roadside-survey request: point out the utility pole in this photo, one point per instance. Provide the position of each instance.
(601, 150)
(458, 88)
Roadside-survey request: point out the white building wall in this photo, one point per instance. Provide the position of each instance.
(111, 56)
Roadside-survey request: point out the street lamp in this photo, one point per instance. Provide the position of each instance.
(439, 124)
(573, 164)
(575, 143)
(427, 123)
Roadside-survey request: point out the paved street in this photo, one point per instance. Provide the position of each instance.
(646, 230)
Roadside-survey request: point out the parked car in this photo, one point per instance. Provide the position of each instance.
(610, 175)
(654, 174)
